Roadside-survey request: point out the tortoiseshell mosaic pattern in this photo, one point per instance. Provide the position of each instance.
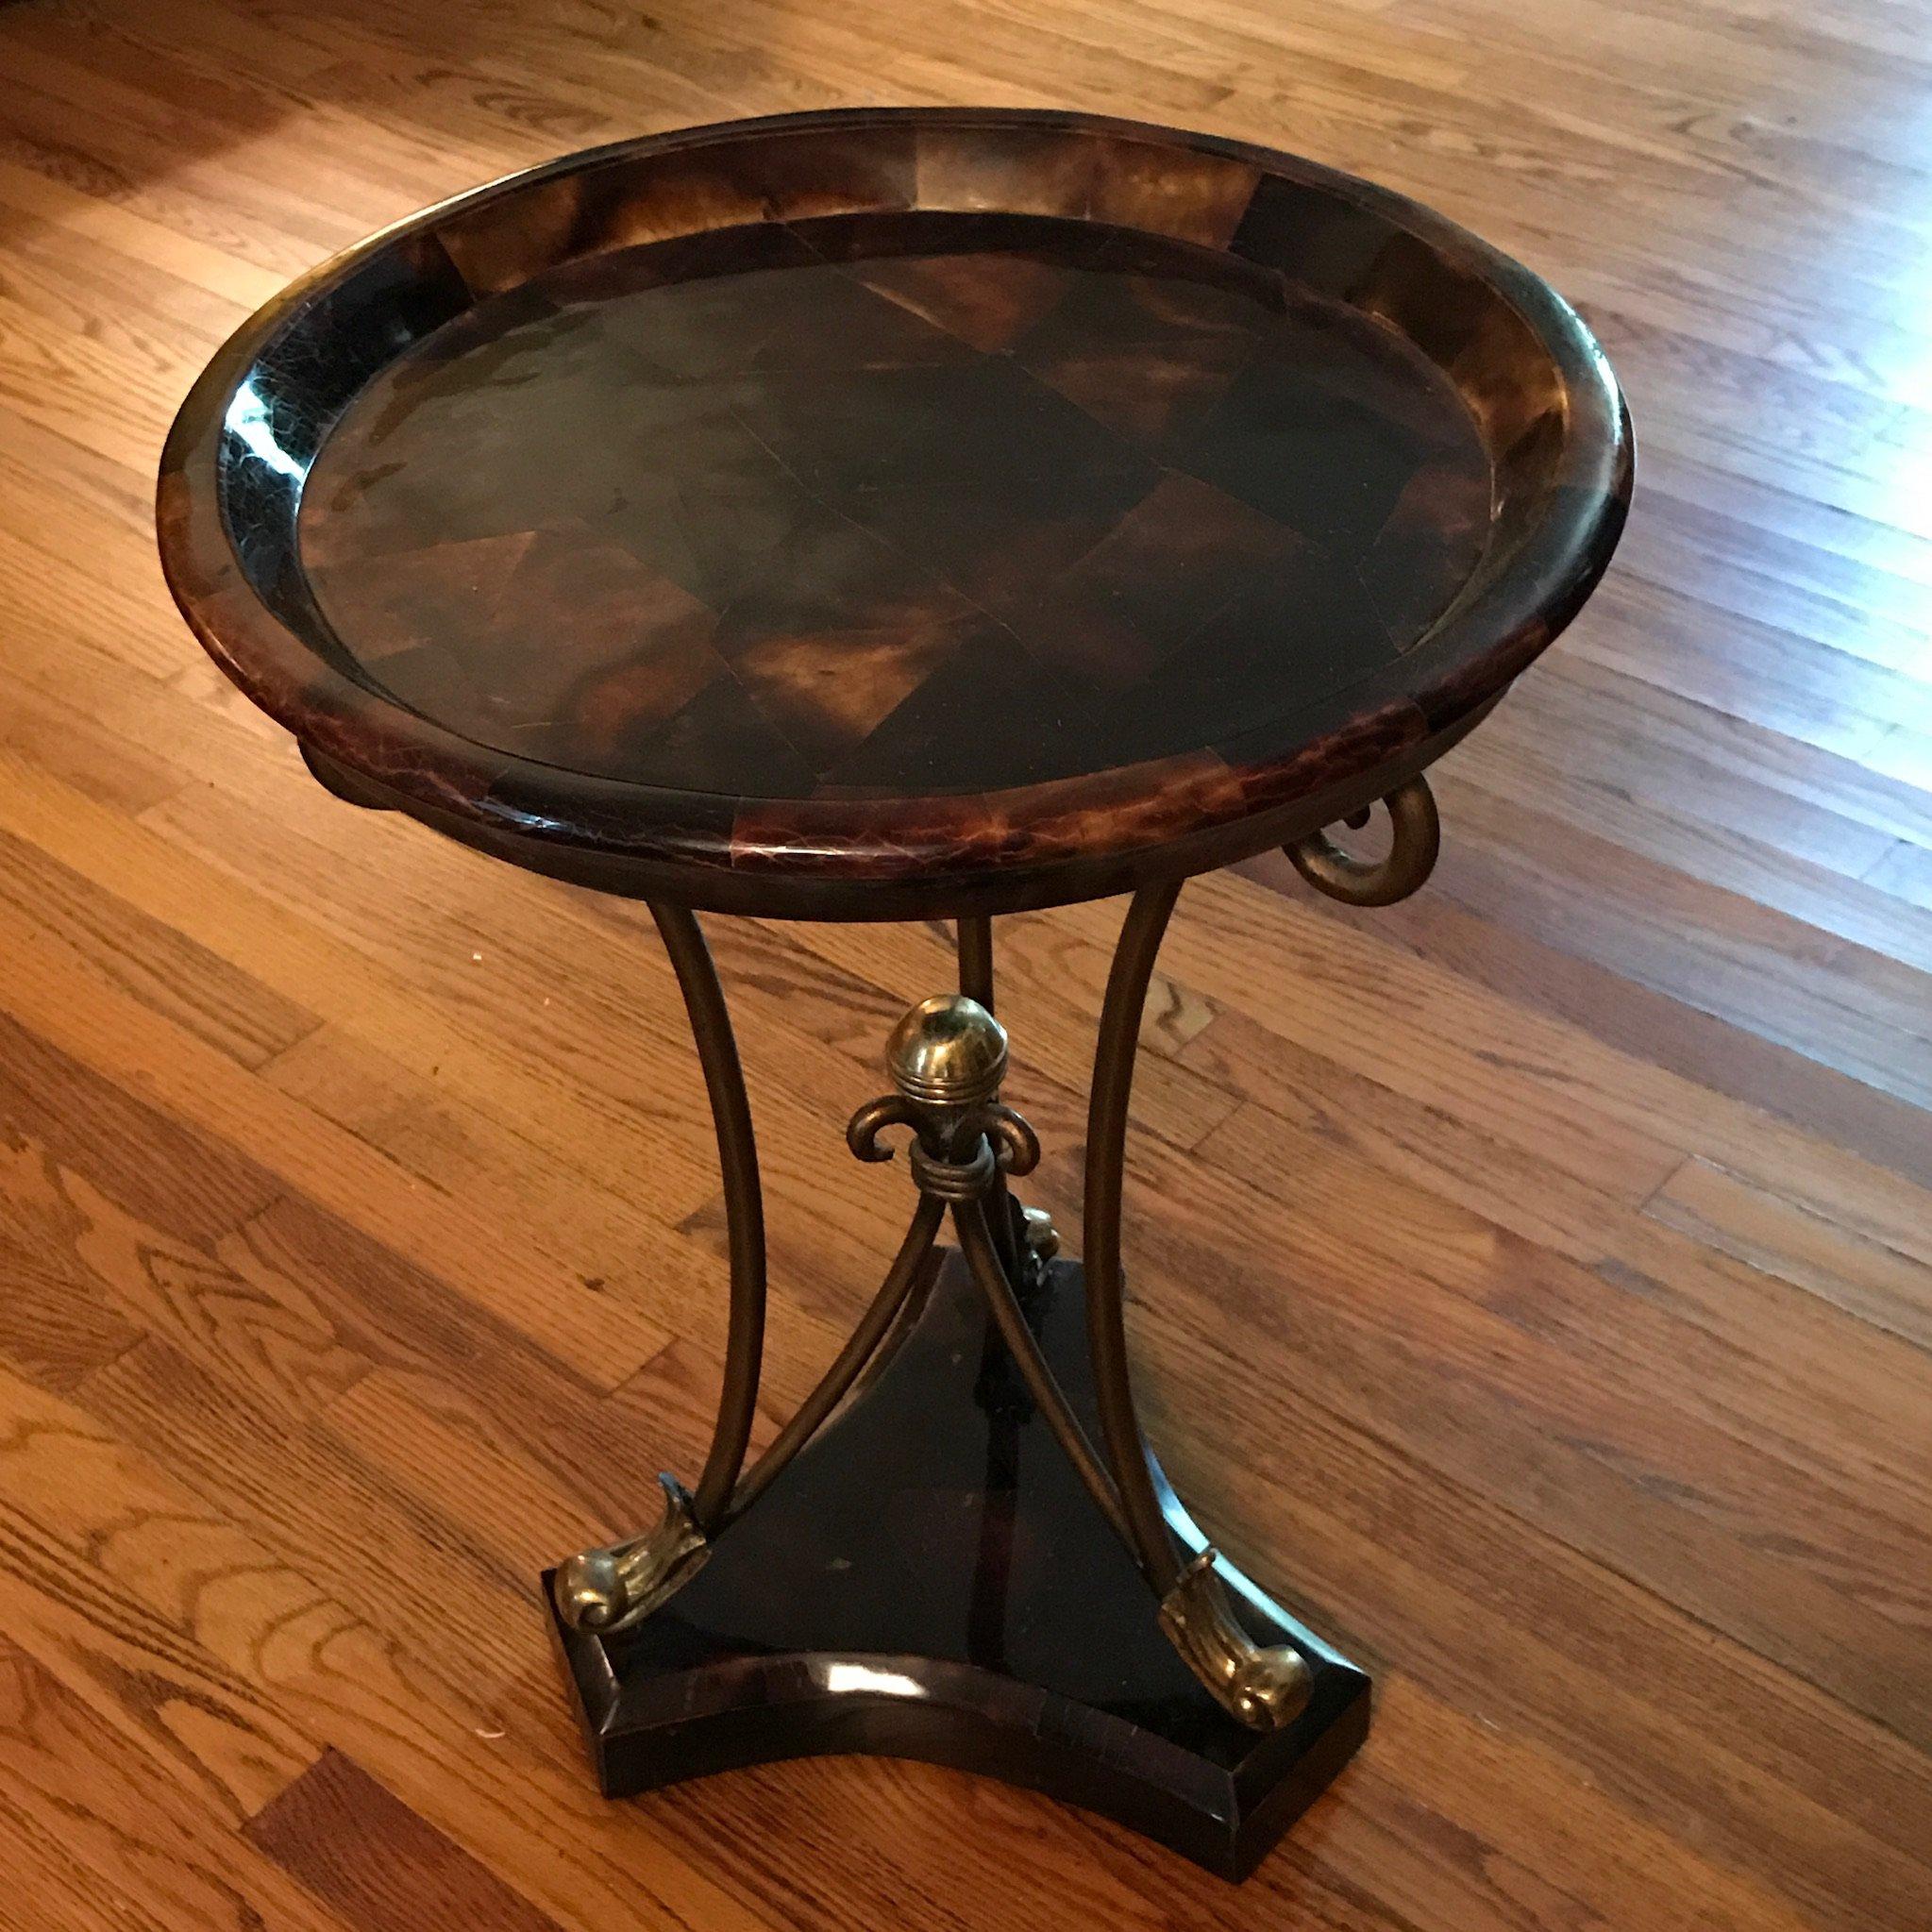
(891, 504)
(895, 510)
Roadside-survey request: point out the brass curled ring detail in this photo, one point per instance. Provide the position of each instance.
(1417, 838)
(954, 1180)
(863, 1129)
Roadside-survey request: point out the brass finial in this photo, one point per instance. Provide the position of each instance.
(947, 1052)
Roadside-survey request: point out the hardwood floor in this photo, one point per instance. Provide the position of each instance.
(1534, 1282)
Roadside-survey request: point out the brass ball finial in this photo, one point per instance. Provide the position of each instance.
(947, 1052)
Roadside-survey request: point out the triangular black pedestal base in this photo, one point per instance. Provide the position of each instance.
(930, 1580)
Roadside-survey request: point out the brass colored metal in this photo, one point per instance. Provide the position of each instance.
(863, 1129)
(1042, 1236)
(1262, 1689)
(973, 937)
(1016, 1145)
(947, 1052)
(960, 1155)
(860, 1346)
(731, 1108)
(975, 1245)
(946, 1179)
(1265, 1688)
(957, 1153)
(1416, 830)
(1106, 1158)
(947, 1058)
(610, 1589)
(974, 943)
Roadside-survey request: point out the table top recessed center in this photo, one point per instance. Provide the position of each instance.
(933, 503)
(895, 510)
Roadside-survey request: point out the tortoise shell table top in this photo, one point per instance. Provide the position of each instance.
(897, 510)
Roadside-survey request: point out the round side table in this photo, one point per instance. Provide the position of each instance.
(915, 513)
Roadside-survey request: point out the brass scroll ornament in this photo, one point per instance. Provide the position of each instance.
(608, 1591)
(1265, 1688)
(1416, 833)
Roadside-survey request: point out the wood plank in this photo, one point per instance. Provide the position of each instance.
(422, 1729)
(193, 1720)
(1905, 871)
(374, 1862)
(1892, 1291)
(51, 1325)
(1808, 1361)
(157, 1856)
(192, 986)
(112, 1035)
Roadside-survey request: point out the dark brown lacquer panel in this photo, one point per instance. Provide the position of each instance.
(895, 510)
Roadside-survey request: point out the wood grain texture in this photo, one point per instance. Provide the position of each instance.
(1533, 1282)
(376, 1863)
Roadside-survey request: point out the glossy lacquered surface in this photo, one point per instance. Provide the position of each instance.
(928, 1579)
(890, 506)
(982, 507)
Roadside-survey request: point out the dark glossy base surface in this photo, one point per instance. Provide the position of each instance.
(928, 1580)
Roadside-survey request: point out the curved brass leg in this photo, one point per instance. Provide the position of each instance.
(858, 1349)
(724, 1082)
(1264, 1687)
(970, 1221)
(1106, 1154)
(609, 1590)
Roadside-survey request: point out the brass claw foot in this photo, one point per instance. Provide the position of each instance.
(1042, 1236)
(1265, 1688)
(608, 1591)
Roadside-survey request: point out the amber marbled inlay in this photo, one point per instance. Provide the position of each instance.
(891, 505)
